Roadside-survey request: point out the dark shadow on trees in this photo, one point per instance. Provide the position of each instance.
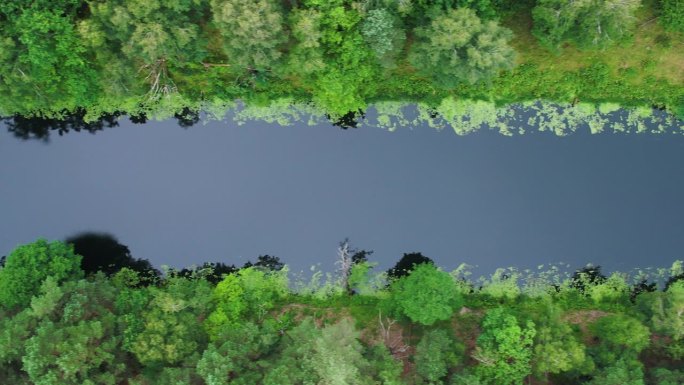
(673, 279)
(266, 262)
(348, 120)
(141, 118)
(406, 265)
(103, 252)
(213, 272)
(642, 286)
(592, 276)
(187, 117)
(26, 128)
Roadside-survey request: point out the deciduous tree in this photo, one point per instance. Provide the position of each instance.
(588, 23)
(246, 295)
(76, 341)
(427, 295)
(252, 32)
(672, 15)
(383, 32)
(435, 354)
(457, 47)
(504, 349)
(27, 266)
(556, 349)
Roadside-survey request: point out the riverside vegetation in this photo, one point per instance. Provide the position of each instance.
(106, 318)
(87, 62)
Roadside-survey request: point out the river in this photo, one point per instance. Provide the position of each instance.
(223, 192)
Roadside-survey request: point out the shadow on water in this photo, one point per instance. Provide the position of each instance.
(40, 128)
(348, 120)
(462, 118)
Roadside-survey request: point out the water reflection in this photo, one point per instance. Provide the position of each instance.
(40, 128)
(461, 116)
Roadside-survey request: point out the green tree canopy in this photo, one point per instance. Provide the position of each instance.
(556, 349)
(237, 355)
(672, 15)
(436, 353)
(337, 357)
(330, 56)
(382, 31)
(76, 341)
(622, 332)
(588, 23)
(43, 63)
(247, 294)
(138, 43)
(27, 266)
(504, 349)
(457, 47)
(251, 31)
(160, 324)
(293, 365)
(427, 295)
(621, 372)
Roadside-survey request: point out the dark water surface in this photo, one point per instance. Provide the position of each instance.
(225, 193)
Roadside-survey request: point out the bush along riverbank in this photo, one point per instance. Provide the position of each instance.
(414, 324)
(158, 59)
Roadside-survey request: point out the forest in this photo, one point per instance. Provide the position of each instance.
(93, 60)
(85, 311)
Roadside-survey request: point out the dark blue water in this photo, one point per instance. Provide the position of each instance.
(220, 192)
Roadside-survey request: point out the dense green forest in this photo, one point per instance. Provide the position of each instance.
(84, 311)
(94, 60)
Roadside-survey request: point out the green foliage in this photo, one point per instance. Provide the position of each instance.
(504, 349)
(167, 376)
(292, 367)
(382, 32)
(383, 367)
(435, 354)
(248, 294)
(672, 15)
(163, 59)
(457, 47)
(613, 290)
(426, 295)
(151, 40)
(485, 9)
(556, 349)
(502, 284)
(466, 378)
(14, 331)
(147, 30)
(621, 332)
(331, 57)
(27, 267)
(160, 324)
(662, 376)
(337, 355)
(237, 355)
(76, 341)
(362, 281)
(622, 372)
(43, 63)
(15, 7)
(588, 23)
(109, 330)
(251, 31)
(665, 315)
